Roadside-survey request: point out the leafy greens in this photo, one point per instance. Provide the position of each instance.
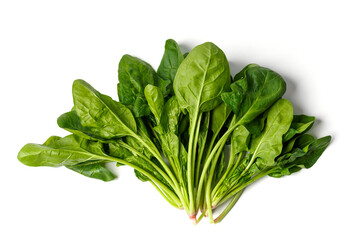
(199, 136)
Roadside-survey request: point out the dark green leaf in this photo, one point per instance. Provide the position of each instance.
(301, 158)
(93, 170)
(170, 61)
(218, 117)
(254, 93)
(300, 124)
(134, 75)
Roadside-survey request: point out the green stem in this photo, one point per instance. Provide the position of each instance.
(224, 198)
(162, 173)
(167, 198)
(212, 154)
(228, 207)
(164, 165)
(190, 171)
(200, 195)
(200, 156)
(231, 168)
(209, 181)
(195, 146)
(201, 216)
(165, 188)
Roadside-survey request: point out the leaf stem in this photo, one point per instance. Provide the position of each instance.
(166, 189)
(167, 198)
(231, 168)
(224, 198)
(164, 165)
(212, 154)
(190, 170)
(209, 181)
(229, 207)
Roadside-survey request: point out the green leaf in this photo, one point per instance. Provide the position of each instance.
(155, 100)
(93, 170)
(314, 151)
(134, 75)
(116, 149)
(301, 158)
(51, 140)
(256, 126)
(141, 176)
(170, 117)
(241, 74)
(301, 141)
(105, 117)
(240, 139)
(300, 124)
(254, 93)
(218, 117)
(267, 146)
(170, 61)
(70, 150)
(71, 122)
(201, 78)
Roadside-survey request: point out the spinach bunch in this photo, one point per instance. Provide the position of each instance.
(173, 126)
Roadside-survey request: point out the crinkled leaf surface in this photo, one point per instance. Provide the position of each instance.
(254, 93)
(134, 75)
(100, 114)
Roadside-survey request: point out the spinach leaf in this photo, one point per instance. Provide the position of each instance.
(301, 158)
(218, 118)
(155, 99)
(266, 147)
(298, 142)
(263, 148)
(134, 75)
(95, 170)
(241, 74)
(254, 93)
(201, 78)
(171, 116)
(170, 61)
(240, 140)
(55, 152)
(105, 117)
(300, 124)
(71, 122)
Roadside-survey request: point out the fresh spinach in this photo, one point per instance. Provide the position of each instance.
(190, 129)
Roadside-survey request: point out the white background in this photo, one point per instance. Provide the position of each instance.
(45, 45)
